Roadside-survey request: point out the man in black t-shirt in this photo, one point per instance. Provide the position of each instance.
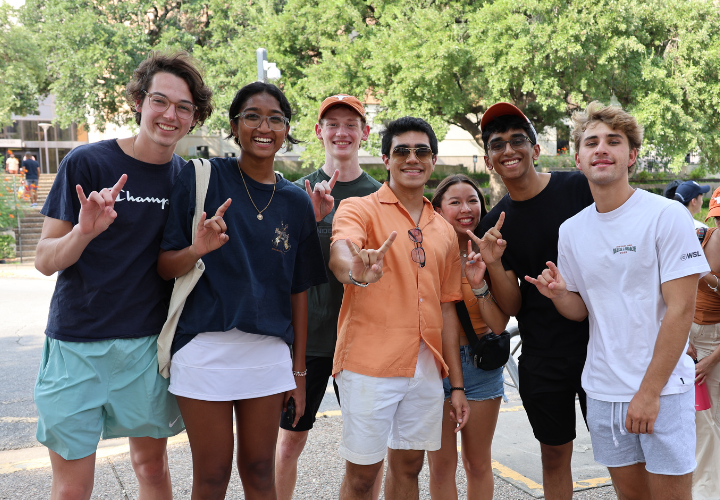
(341, 127)
(521, 235)
(32, 177)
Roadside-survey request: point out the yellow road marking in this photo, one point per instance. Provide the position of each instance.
(512, 408)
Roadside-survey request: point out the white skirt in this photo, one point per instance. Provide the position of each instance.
(232, 365)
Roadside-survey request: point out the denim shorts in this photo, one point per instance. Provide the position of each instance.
(479, 384)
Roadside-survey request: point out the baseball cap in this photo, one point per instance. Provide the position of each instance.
(501, 109)
(344, 99)
(714, 205)
(689, 190)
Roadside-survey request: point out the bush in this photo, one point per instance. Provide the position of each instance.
(643, 176)
(698, 173)
(7, 246)
(9, 202)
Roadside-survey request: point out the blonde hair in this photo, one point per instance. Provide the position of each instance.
(614, 117)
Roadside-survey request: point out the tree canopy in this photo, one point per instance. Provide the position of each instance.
(445, 61)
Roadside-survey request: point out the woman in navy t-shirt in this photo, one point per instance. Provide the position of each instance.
(261, 253)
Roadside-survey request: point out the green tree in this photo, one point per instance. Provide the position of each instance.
(22, 70)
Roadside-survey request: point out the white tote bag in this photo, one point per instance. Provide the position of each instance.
(185, 283)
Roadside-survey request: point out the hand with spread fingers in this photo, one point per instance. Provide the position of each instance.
(322, 201)
(366, 265)
(97, 211)
(474, 268)
(550, 283)
(491, 246)
(211, 233)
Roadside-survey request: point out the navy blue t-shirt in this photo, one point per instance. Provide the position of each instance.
(33, 169)
(113, 291)
(248, 281)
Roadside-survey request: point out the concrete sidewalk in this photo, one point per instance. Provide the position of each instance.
(319, 475)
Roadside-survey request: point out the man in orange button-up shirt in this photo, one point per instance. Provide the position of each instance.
(400, 265)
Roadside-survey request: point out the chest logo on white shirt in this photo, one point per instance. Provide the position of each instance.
(624, 249)
(281, 242)
(690, 255)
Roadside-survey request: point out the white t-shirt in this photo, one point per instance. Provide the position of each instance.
(617, 261)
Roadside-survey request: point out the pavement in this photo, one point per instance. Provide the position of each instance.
(25, 468)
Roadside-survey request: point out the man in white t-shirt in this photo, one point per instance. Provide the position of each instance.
(631, 262)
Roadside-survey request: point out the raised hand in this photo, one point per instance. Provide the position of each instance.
(550, 283)
(474, 268)
(322, 201)
(366, 265)
(491, 246)
(210, 234)
(97, 211)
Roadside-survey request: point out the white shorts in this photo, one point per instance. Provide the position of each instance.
(401, 413)
(232, 365)
(669, 450)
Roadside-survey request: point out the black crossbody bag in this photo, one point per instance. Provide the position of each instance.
(488, 352)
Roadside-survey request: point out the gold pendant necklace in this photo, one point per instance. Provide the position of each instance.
(259, 215)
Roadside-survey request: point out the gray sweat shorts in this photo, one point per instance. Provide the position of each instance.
(669, 450)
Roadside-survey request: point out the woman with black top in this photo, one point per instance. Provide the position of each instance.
(460, 202)
(261, 253)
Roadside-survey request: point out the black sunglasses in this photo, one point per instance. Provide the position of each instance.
(417, 253)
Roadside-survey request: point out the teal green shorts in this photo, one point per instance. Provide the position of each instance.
(109, 389)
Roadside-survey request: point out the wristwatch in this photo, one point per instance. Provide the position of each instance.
(356, 283)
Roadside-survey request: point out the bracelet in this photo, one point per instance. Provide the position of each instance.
(457, 389)
(300, 374)
(481, 292)
(356, 283)
(717, 284)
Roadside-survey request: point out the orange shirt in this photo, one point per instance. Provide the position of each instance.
(473, 307)
(380, 326)
(707, 304)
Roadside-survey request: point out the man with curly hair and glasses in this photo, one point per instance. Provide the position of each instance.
(105, 216)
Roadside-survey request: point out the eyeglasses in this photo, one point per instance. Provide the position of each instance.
(402, 153)
(254, 120)
(516, 143)
(417, 253)
(160, 103)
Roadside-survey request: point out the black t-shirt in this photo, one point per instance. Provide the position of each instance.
(113, 291)
(33, 169)
(248, 281)
(531, 230)
(324, 300)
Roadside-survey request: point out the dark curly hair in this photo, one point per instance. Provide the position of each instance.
(180, 64)
(252, 89)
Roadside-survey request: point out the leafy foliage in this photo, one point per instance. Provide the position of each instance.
(445, 61)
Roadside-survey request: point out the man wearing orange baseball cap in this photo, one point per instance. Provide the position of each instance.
(341, 128)
(554, 348)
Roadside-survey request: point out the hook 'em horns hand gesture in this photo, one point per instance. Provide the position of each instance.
(211, 233)
(322, 201)
(97, 211)
(366, 265)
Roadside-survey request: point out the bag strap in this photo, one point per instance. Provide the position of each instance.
(202, 179)
(466, 323)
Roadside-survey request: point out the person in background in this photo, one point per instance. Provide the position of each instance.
(705, 350)
(461, 203)
(690, 194)
(12, 165)
(32, 177)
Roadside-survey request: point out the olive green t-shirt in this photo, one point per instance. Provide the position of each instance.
(324, 300)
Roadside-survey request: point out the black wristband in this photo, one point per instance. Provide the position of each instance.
(457, 389)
